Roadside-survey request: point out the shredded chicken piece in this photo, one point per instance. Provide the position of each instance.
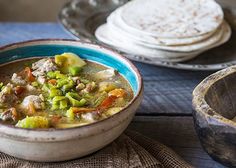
(9, 115)
(18, 80)
(43, 66)
(105, 74)
(41, 79)
(41, 97)
(31, 89)
(89, 88)
(35, 100)
(90, 117)
(7, 95)
(76, 79)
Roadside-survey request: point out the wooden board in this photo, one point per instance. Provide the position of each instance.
(165, 113)
(177, 133)
(167, 91)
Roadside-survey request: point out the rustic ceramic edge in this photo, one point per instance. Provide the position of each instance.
(40, 145)
(199, 102)
(213, 129)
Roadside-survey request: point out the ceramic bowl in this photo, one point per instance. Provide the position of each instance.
(214, 103)
(65, 144)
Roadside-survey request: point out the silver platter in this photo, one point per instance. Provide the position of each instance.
(82, 17)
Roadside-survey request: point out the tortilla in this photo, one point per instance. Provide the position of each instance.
(168, 30)
(180, 48)
(103, 34)
(115, 22)
(172, 18)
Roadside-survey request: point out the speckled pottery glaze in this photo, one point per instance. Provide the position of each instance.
(214, 102)
(52, 145)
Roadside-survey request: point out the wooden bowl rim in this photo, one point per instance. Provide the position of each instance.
(202, 107)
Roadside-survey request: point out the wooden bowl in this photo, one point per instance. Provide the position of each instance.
(214, 103)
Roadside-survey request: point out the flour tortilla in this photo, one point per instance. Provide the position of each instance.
(172, 18)
(180, 48)
(115, 22)
(202, 45)
(103, 34)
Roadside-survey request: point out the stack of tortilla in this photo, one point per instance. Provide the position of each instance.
(168, 30)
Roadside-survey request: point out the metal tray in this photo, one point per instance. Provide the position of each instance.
(82, 17)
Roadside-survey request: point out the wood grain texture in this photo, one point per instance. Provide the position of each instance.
(177, 133)
(214, 104)
(167, 91)
(16, 32)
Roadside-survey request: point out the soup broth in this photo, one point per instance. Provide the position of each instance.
(60, 92)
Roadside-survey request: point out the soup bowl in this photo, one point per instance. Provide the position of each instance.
(50, 145)
(214, 103)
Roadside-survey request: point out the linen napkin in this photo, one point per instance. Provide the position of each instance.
(130, 150)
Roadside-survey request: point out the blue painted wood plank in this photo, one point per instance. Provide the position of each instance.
(16, 32)
(168, 91)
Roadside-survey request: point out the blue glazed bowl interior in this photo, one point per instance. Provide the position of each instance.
(84, 52)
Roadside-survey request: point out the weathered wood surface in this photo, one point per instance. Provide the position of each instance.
(177, 133)
(216, 96)
(168, 92)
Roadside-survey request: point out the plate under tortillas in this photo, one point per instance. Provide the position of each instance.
(82, 23)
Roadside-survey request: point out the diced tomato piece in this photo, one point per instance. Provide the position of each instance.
(82, 109)
(52, 81)
(19, 90)
(107, 102)
(55, 119)
(29, 74)
(117, 93)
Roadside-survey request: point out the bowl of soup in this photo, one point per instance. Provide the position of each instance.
(64, 99)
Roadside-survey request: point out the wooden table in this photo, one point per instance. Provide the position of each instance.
(165, 113)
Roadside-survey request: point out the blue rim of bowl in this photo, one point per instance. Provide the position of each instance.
(137, 73)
